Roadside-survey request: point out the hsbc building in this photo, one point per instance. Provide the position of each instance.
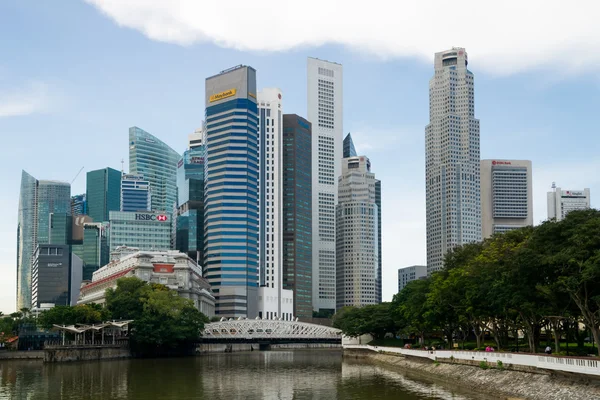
(145, 230)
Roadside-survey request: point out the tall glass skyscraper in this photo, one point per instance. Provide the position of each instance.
(452, 161)
(349, 149)
(156, 162)
(37, 201)
(103, 193)
(190, 200)
(297, 212)
(78, 205)
(231, 204)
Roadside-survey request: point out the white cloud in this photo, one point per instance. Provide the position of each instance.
(29, 99)
(504, 37)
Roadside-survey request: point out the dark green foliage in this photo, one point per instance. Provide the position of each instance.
(67, 315)
(164, 323)
(534, 281)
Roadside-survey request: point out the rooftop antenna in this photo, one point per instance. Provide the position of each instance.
(122, 167)
(554, 186)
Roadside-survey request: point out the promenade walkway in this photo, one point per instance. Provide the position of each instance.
(587, 366)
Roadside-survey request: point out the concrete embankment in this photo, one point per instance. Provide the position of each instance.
(21, 355)
(88, 353)
(502, 383)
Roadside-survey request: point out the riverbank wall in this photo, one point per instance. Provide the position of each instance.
(21, 355)
(87, 353)
(494, 380)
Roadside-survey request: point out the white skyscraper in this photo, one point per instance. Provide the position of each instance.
(451, 159)
(506, 196)
(561, 202)
(325, 114)
(357, 235)
(273, 301)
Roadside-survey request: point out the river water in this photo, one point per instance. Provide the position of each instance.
(299, 374)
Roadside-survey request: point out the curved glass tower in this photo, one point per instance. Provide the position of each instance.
(157, 163)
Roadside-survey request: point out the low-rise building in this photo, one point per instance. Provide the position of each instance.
(409, 274)
(170, 268)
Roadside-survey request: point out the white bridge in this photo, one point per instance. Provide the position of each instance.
(269, 330)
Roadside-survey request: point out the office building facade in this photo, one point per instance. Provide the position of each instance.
(409, 274)
(561, 202)
(145, 230)
(506, 196)
(357, 258)
(78, 205)
(51, 276)
(103, 193)
(157, 163)
(297, 213)
(452, 160)
(231, 202)
(190, 200)
(38, 199)
(325, 113)
(93, 248)
(135, 193)
(273, 299)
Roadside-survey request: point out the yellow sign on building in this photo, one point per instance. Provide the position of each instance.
(222, 95)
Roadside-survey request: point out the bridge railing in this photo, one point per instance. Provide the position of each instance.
(57, 344)
(269, 329)
(588, 366)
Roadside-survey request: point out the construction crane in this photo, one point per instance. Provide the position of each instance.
(77, 175)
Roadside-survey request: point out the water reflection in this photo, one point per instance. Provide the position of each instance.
(300, 374)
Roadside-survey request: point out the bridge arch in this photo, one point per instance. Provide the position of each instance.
(265, 329)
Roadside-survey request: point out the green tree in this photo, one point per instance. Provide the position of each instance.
(410, 308)
(162, 321)
(67, 315)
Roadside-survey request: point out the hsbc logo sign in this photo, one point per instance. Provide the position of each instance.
(151, 217)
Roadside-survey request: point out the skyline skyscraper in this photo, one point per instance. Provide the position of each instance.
(135, 193)
(273, 300)
(357, 258)
(157, 163)
(297, 213)
(37, 201)
(78, 205)
(506, 196)
(349, 149)
(325, 107)
(103, 193)
(561, 202)
(231, 203)
(452, 160)
(190, 199)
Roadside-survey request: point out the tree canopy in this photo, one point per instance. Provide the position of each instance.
(163, 321)
(524, 280)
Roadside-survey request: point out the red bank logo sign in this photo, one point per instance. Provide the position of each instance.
(151, 217)
(501, 162)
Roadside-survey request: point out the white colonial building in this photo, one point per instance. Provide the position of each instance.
(170, 268)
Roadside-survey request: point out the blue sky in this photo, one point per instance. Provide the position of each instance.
(74, 76)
